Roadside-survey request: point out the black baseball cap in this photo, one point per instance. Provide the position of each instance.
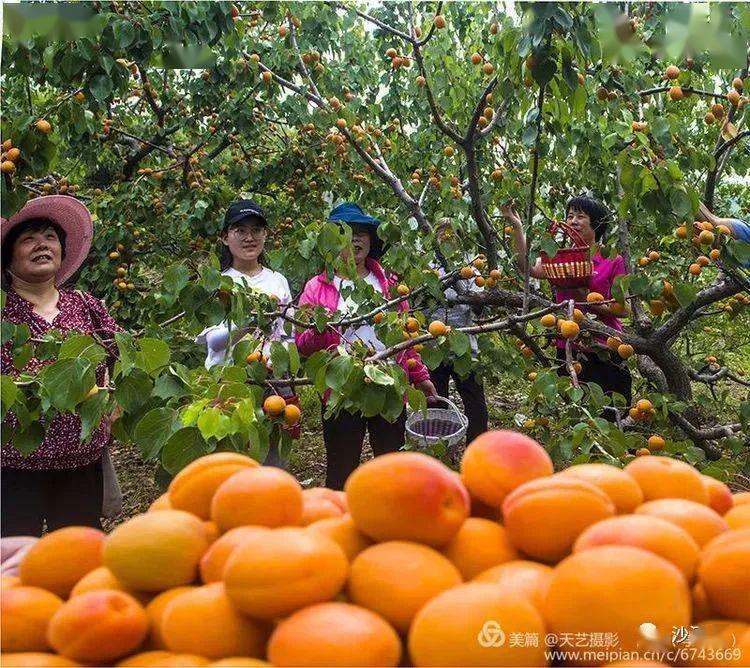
(242, 209)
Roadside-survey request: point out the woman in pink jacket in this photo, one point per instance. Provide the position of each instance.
(344, 433)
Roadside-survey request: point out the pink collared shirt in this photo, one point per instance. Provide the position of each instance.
(606, 270)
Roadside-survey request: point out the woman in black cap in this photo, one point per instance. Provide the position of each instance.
(242, 242)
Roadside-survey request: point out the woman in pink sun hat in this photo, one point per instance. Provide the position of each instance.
(61, 482)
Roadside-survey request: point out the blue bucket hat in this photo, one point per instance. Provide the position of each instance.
(351, 213)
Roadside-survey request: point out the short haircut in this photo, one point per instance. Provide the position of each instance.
(31, 225)
(594, 209)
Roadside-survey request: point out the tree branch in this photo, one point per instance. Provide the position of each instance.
(724, 287)
(532, 198)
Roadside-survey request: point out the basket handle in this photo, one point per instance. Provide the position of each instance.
(569, 231)
(451, 405)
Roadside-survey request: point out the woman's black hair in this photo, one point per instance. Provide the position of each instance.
(594, 209)
(225, 255)
(31, 225)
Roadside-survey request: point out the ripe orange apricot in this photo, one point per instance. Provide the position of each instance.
(479, 545)
(161, 503)
(273, 574)
(700, 521)
(739, 517)
(162, 658)
(701, 607)
(594, 298)
(334, 634)
(664, 477)
(588, 590)
(193, 488)
(520, 579)
(396, 578)
(625, 351)
(58, 560)
(449, 629)
(741, 498)
(156, 551)
(497, 462)
(548, 320)
(320, 503)
(344, 533)
(544, 517)
(98, 627)
(275, 404)
(719, 495)
(437, 328)
(407, 496)
(102, 578)
(654, 534)
(204, 622)
(9, 581)
(614, 482)
(569, 329)
(265, 496)
(724, 574)
(214, 560)
(35, 660)
(25, 615)
(155, 614)
(238, 662)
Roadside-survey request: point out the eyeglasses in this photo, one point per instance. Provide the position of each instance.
(256, 232)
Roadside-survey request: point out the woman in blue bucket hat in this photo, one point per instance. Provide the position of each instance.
(344, 433)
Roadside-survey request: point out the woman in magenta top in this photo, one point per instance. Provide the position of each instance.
(344, 434)
(589, 218)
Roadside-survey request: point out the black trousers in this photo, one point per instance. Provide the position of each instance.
(63, 497)
(611, 374)
(344, 436)
(472, 395)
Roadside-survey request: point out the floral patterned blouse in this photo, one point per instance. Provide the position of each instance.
(62, 448)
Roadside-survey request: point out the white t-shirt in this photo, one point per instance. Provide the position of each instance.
(365, 333)
(268, 282)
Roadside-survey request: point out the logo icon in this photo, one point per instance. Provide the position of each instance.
(491, 635)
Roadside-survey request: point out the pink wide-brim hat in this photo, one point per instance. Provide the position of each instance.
(72, 216)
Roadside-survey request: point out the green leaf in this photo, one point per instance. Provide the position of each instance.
(82, 346)
(682, 205)
(91, 411)
(8, 394)
(460, 343)
(208, 422)
(549, 246)
(294, 361)
(133, 390)
(124, 33)
(154, 429)
(377, 375)
(154, 355)
(183, 447)
(685, 293)
(29, 439)
(279, 359)
(416, 399)
(175, 279)
(64, 383)
(100, 87)
(338, 371)
(432, 356)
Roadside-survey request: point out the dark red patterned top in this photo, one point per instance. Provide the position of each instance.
(62, 448)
